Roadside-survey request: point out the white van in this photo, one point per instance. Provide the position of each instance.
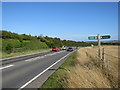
(64, 47)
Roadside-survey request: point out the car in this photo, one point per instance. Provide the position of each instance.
(70, 49)
(64, 48)
(77, 47)
(55, 49)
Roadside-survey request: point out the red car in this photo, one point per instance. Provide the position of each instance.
(55, 49)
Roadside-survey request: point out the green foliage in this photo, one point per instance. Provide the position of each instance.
(10, 35)
(51, 42)
(13, 42)
(9, 44)
(9, 48)
(34, 45)
(0, 44)
(57, 42)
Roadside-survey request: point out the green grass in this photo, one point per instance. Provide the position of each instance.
(55, 80)
(6, 55)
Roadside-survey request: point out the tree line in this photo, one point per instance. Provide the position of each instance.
(13, 42)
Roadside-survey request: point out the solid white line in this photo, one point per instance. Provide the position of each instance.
(6, 66)
(42, 72)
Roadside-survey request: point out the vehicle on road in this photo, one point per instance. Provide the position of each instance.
(55, 49)
(70, 49)
(77, 47)
(64, 48)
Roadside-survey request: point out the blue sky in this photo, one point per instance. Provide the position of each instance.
(66, 20)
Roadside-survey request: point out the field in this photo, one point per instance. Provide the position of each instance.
(86, 71)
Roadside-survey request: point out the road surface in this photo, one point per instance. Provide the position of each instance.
(31, 72)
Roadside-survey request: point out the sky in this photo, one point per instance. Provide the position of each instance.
(65, 20)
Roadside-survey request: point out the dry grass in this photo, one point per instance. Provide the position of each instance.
(81, 77)
(86, 73)
(111, 63)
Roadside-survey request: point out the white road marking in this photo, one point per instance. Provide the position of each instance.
(6, 66)
(33, 59)
(37, 58)
(42, 72)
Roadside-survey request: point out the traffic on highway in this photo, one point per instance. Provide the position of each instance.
(64, 48)
(31, 71)
(59, 44)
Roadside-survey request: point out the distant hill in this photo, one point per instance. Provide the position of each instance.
(112, 41)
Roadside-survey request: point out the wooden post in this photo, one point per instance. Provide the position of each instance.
(103, 61)
(99, 57)
(103, 54)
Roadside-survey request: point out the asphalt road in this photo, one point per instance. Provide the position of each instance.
(23, 57)
(23, 73)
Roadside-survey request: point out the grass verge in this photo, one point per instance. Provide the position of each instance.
(82, 70)
(6, 55)
(55, 80)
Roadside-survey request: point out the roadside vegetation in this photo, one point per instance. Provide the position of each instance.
(81, 70)
(16, 44)
(56, 79)
(13, 44)
(6, 55)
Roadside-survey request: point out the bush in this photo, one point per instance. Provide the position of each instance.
(9, 48)
(11, 45)
(34, 45)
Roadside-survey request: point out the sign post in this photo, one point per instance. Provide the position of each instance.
(98, 37)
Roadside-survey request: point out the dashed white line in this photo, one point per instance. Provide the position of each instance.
(42, 72)
(6, 66)
(33, 59)
(43, 56)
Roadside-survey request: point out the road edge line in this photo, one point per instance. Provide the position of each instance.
(43, 72)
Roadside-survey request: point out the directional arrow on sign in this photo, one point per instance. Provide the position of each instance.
(98, 37)
(105, 37)
(101, 37)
